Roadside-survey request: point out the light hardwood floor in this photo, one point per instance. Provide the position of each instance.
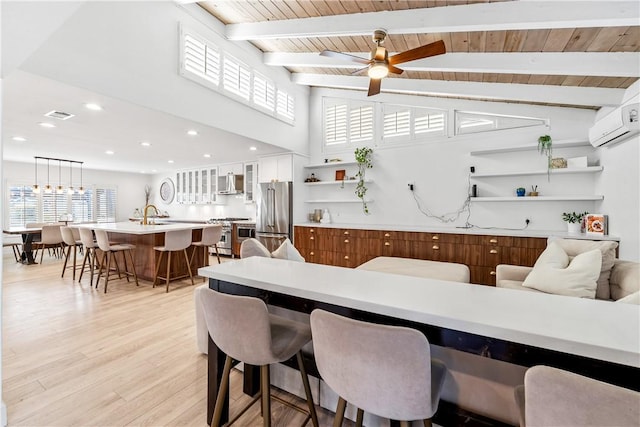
(75, 356)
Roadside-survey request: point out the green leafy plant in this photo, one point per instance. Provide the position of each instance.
(363, 158)
(573, 217)
(545, 147)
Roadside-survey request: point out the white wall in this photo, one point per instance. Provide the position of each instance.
(130, 51)
(130, 185)
(440, 170)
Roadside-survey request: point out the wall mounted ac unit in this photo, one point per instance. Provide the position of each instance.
(620, 124)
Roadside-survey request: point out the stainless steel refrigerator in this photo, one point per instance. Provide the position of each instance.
(275, 212)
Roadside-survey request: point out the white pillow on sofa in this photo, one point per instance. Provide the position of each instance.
(555, 274)
(287, 251)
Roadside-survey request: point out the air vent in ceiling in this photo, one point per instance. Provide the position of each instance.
(60, 115)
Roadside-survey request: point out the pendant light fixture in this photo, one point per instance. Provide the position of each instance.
(59, 188)
(36, 188)
(70, 190)
(47, 188)
(81, 188)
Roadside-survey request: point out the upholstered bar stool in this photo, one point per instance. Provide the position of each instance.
(109, 252)
(245, 331)
(553, 397)
(210, 237)
(90, 246)
(50, 238)
(72, 245)
(380, 369)
(174, 241)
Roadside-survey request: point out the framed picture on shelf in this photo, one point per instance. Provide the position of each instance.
(596, 224)
(340, 174)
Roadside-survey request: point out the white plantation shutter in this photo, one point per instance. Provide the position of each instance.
(335, 124)
(236, 77)
(53, 205)
(285, 105)
(105, 204)
(264, 92)
(82, 206)
(361, 124)
(201, 58)
(428, 122)
(23, 205)
(396, 122)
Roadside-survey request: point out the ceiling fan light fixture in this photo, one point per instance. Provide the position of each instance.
(378, 70)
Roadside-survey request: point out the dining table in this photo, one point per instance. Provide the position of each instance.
(599, 339)
(28, 234)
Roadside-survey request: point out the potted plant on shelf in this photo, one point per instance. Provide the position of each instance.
(574, 221)
(545, 148)
(363, 159)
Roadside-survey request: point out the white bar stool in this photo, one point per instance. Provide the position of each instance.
(90, 246)
(174, 241)
(110, 251)
(72, 244)
(245, 331)
(210, 237)
(380, 369)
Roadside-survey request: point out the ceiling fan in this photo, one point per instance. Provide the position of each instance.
(380, 64)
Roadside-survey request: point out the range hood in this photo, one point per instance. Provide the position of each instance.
(231, 184)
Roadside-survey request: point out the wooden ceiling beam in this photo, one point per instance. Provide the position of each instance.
(518, 15)
(530, 93)
(604, 64)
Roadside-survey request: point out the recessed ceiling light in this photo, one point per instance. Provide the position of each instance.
(170, 161)
(192, 132)
(47, 125)
(109, 152)
(92, 106)
(253, 148)
(154, 170)
(145, 144)
(19, 138)
(207, 155)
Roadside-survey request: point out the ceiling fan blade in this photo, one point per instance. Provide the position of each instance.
(395, 70)
(431, 49)
(374, 86)
(360, 71)
(344, 56)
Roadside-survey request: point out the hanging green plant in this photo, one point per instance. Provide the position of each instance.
(363, 158)
(545, 148)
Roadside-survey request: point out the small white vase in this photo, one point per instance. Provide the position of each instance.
(574, 227)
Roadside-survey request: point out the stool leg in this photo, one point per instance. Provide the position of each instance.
(404, 423)
(155, 278)
(133, 267)
(222, 393)
(217, 254)
(427, 422)
(84, 262)
(101, 262)
(66, 258)
(307, 389)
(265, 383)
(359, 417)
(75, 251)
(342, 404)
(106, 279)
(168, 270)
(186, 258)
(126, 268)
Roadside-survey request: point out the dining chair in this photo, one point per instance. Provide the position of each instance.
(90, 254)
(50, 238)
(109, 252)
(15, 243)
(555, 397)
(174, 241)
(210, 237)
(243, 329)
(380, 369)
(72, 244)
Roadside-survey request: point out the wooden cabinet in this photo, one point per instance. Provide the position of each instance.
(481, 253)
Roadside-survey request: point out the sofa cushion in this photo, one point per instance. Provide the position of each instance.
(554, 273)
(287, 251)
(625, 279)
(514, 284)
(633, 298)
(448, 271)
(575, 247)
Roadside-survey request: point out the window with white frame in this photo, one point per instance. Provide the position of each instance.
(361, 123)
(236, 77)
(25, 206)
(200, 59)
(347, 121)
(404, 123)
(471, 122)
(264, 92)
(396, 122)
(285, 105)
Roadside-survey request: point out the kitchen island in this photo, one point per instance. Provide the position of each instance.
(145, 238)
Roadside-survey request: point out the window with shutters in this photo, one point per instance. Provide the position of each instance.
(236, 77)
(469, 122)
(264, 92)
(406, 124)
(23, 205)
(396, 122)
(82, 206)
(105, 204)
(53, 206)
(200, 59)
(347, 121)
(335, 124)
(285, 105)
(361, 124)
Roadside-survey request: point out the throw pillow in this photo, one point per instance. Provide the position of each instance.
(575, 247)
(287, 251)
(555, 274)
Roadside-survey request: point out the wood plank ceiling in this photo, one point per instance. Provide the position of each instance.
(578, 44)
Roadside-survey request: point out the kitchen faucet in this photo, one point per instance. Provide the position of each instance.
(144, 218)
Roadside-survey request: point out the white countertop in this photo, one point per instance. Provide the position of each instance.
(460, 230)
(601, 330)
(128, 227)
